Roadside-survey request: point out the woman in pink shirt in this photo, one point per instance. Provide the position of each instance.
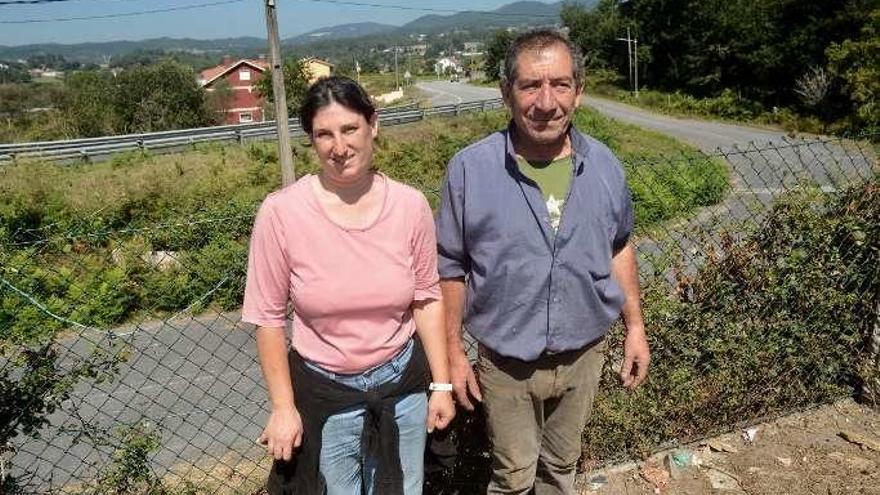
(354, 253)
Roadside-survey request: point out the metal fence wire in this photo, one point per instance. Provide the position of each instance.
(172, 400)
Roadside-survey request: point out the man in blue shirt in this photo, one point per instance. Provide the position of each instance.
(535, 261)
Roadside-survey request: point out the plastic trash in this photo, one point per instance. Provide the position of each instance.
(598, 481)
(749, 434)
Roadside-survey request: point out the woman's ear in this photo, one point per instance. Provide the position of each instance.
(374, 124)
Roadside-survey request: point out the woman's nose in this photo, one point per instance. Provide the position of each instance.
(338, 148)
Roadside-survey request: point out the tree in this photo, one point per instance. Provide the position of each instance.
(219, 100)
(857, 64)
(88, 104)
(13, 73)
(496, 50)
(595, 31)
(296, 83)
(160, 97)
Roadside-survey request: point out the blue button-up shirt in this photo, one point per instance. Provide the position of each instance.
(530, 291)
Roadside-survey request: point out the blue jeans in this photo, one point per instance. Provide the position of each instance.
(341, 464)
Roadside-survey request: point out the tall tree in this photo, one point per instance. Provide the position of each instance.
(856, 63)
(596, 32)
(160, 97)
(88, 104)
(496, 49)
(296, 83)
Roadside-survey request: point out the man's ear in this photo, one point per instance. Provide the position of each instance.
(580, 93)
(504, 86)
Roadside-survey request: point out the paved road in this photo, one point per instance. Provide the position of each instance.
(194, 379)
(450, 93)
(197, 378)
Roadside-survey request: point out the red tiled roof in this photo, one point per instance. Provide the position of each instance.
(213, 73)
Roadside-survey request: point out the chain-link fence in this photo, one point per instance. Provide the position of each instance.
(759, 270)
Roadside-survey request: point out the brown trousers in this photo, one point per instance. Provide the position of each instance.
(535, 415)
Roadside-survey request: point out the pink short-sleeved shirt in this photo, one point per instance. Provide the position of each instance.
(351, 289)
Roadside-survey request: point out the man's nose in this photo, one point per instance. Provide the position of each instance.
(545, 100)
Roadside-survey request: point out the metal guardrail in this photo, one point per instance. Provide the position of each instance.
(89, 149)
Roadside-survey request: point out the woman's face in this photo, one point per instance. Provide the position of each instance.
(343, 140)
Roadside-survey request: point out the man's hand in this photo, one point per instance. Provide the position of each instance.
(463, 379)
(283, 433)
(441, 410)
(636, 358)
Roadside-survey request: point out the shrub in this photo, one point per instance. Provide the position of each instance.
(775, 321)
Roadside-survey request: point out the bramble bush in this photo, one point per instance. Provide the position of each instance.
(775, 321)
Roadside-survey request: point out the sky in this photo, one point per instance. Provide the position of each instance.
(230, 19)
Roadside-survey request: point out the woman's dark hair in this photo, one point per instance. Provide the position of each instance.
(331, 89)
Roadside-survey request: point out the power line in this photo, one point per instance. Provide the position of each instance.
(31, 2)
(122, 14)
(429, 9)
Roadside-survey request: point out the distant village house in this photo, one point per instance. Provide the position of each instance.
(317, 68)
(241, 75)
(446, 65)
(246, 105)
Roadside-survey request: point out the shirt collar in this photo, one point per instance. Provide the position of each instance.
(580, 147)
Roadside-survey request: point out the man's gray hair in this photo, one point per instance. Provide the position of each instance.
(536, 41)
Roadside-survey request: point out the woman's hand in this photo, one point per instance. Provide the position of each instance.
(441, 410)
(283, 433)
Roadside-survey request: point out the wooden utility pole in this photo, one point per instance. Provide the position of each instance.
(285, 152)
(632, 55)
(636, 64)
(629, 56)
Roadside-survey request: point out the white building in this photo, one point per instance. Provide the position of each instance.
(446, 65)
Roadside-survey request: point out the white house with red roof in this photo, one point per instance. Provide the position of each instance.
(245, 105)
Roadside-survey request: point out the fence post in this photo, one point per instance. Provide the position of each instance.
(457, 109)
(871, 367)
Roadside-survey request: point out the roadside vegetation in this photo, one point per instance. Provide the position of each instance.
(726, 106)
(96, 224)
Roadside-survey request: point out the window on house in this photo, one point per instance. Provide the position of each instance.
(244, 117)
(244, 75)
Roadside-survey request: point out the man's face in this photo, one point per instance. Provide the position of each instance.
(544, 95)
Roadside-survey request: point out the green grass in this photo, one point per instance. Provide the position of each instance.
(727, 106)
(78, 237)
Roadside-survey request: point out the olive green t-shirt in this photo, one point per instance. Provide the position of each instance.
(553, 178)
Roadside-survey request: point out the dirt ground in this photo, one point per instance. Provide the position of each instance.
(834, 449)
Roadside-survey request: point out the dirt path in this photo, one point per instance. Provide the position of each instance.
(804, 453)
